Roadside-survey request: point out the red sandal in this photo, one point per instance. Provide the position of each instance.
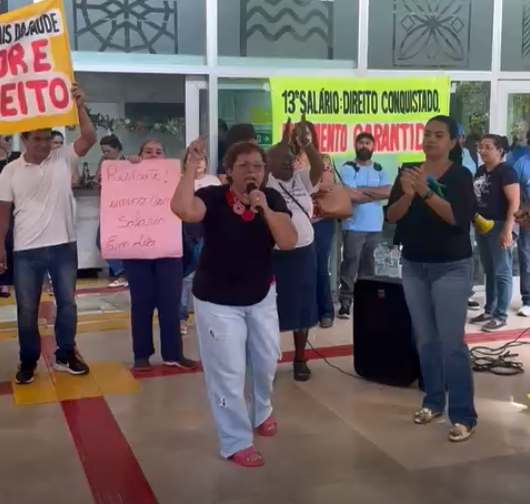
(268, 428)
(249, 457)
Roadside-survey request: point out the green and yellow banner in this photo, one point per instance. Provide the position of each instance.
(394, 111)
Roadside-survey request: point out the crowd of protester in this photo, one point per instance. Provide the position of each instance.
(257, 250)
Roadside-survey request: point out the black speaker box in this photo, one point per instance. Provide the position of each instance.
(383, 345)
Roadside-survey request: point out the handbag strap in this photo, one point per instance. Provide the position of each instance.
(295, 200)
(338, 175)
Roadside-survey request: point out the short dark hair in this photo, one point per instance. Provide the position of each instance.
(239, 149)
(57, 133)
(364, 136)
(112, 141)
(240, 133)
(25, 134)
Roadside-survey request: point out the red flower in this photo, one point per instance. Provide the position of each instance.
(248, 215)
(230, 198)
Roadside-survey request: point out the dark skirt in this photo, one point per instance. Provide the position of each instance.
(295, 272)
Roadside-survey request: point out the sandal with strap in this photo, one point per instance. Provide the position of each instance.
(268, 428)
(249, 457)
(301, 371)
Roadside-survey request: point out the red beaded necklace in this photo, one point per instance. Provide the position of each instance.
(246, 212)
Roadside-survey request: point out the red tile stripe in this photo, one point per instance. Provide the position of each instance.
(113, 472)
(318, 353)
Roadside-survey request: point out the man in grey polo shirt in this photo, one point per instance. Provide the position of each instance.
(36, 188)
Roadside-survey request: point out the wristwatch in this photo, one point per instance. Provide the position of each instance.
(428, 196)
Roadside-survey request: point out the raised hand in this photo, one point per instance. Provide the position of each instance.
(303, 133)
(197, 148)
(286, 136)
(78, 94)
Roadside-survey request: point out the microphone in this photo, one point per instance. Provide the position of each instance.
(253, 187)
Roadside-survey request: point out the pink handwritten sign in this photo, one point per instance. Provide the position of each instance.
(136, 221)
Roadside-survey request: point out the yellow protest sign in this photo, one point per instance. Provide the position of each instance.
(35, 69)
(393, 110)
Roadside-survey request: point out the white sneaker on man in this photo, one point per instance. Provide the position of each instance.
(524, 311)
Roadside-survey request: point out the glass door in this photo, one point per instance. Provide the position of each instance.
(513, 111)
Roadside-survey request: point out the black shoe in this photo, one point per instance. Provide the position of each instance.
(301, 371)
(183, 363)
(481, 319)
(344, 311)
(493, 325)
(72, 364)
(25, 374)
(473, 305)
(142, 365)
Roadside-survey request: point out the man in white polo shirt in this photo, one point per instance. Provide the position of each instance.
(36, 188)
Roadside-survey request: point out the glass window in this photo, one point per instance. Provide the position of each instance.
(452, 34)
(10, 5)
(295, 29)
(515, 52)
(136, 108)
(470, 105)
(518, 118)
(144, 26)
(248, 103)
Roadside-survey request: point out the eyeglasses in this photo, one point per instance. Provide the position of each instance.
(248, 166)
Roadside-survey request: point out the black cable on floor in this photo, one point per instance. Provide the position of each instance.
(484, 359)
(330, 364)
(499, 361)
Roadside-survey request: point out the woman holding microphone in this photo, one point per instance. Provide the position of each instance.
(235, 294)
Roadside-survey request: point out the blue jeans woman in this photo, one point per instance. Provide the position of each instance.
(436, 295)
(433, 206)
(498, 269)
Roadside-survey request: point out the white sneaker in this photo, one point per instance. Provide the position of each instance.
(524, 311)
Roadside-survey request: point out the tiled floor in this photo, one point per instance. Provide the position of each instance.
(341, 439)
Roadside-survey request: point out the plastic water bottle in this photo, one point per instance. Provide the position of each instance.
(382, 259)
(395, 259)
(386, 259)
(378, 260)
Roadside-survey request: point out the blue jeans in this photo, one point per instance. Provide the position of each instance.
(497, 265)
(324, 233)
(437, 296)
(155, 283)
(30, 267)
(523, 250)
(187, 284)
(115, 265)
(238, 343)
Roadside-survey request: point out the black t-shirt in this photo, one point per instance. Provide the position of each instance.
(4, 162)
(235, 265)
(424, 235)
(489, 189)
